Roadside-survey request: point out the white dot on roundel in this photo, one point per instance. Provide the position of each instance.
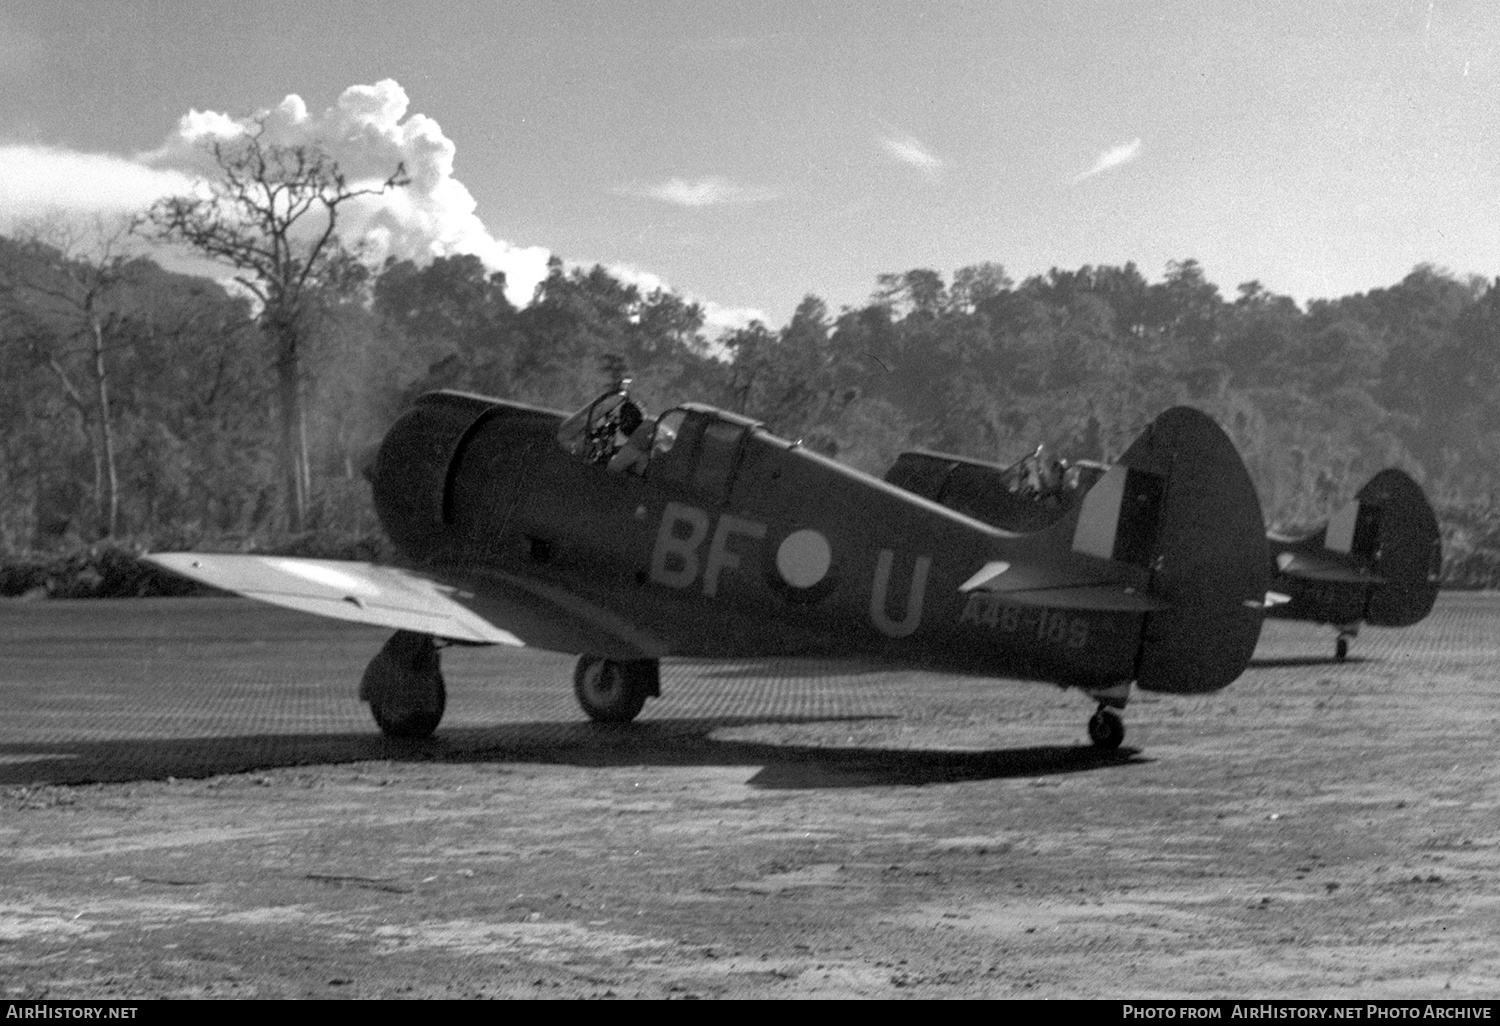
(803, 558)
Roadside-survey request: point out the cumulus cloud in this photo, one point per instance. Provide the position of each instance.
(912, 151)
(719, 318)
(716, 316)
(706, 192)
(1113, 158)
(368, 132)
(36, 181)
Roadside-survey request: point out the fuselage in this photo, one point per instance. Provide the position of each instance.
(728, 541)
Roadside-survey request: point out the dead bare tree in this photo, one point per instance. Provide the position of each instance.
(272, 213)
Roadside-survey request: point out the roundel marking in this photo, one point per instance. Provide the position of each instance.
(803, 558)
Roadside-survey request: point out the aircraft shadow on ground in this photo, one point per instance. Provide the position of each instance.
(784, 669)
(1295, 661)
(680, 742)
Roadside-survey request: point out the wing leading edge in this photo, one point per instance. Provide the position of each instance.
(384, 596)
(493, 609)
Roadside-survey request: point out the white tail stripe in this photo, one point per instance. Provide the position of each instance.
(1100, 516)
(1340, 536)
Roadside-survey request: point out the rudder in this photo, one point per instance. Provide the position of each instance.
(1206, 552)
(1408, 549)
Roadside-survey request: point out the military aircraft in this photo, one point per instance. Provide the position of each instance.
(702, 534)
(1375, 561)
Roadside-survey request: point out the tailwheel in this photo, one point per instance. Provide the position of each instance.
(1106, 730)
(404, 686)
(614, 690)
(1347, 633)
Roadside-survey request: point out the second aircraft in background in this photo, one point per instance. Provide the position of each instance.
(1375, 561)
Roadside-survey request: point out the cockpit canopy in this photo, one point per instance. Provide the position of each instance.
(1025, 496)
(691, 446)
(594, 432)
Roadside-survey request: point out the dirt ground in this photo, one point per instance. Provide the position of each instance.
(193, 804)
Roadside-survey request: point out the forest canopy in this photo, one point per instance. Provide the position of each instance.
(139, 405)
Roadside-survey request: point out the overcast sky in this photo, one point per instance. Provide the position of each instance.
(748, 153)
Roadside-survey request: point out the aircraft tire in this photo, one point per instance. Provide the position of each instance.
(611, 691)
(1106, 730)
(404, 686)
(1341, 649)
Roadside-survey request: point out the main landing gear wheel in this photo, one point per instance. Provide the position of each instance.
(404, 686)
(1106, 730)
(613, 691)
(1341, 649)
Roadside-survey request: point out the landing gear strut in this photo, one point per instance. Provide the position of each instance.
(1106, 729)
(614, 690)
(404, 686)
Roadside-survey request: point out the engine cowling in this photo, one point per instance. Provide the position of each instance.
(412, 470)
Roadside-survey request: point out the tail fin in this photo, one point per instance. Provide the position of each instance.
(1180, 523)
(1393, 525)
(1187, 511)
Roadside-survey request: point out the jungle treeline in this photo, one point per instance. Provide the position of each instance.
(139, 406)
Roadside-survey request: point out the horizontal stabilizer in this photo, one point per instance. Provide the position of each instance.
(1026, 587)
(986, 578)
(383, 596)
(1310, 568)
(1096, 598)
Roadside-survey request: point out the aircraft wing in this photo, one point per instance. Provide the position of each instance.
(384, 596)
(490, 610)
